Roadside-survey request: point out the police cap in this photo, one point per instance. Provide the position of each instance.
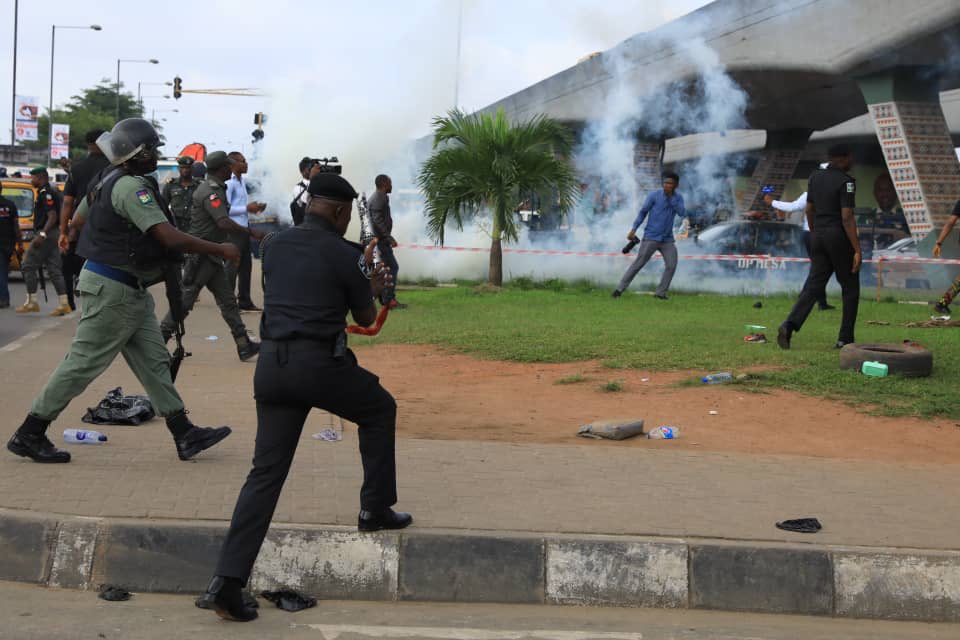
(37, 171)
(332, 186)
(217, 160)
(185, 161)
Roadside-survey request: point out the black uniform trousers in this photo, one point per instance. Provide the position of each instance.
(822, 300)
(293, 377)
(239, 276)
(72, 266)
(830, 254)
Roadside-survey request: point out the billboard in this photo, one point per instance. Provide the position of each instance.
(27, 112)
(60, 141)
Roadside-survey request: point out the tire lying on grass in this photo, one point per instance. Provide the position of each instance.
(908, 360)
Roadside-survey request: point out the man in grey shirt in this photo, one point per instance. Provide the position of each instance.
(378, 207)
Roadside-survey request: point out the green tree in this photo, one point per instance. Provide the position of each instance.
(93, 108)
(482, 162)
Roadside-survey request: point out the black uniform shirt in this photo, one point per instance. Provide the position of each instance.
(8, 226)
(78, 184)
(312, 278)
(47, 204)
(830, 190)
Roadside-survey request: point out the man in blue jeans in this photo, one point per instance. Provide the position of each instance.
(659, 210)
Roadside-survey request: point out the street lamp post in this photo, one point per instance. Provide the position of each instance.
(150, 61)
(13, 93)
(53, 42)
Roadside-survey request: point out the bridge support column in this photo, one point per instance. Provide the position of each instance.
(904, 104)
(647, 165)
(781, 154)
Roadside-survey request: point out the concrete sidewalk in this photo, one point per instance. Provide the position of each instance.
(579, 524)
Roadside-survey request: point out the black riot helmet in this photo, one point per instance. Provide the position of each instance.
(133, 140)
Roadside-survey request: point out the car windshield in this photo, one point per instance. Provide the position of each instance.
(715, 232)
(22, 197)
(165, 172)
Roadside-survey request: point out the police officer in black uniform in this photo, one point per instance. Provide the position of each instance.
(834, 249)
(312, 278)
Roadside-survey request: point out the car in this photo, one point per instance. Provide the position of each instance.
(906, 275)
(23, 195)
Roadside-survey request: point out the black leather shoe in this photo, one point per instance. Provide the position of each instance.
(225, 597)
(198, 439)
(660, 296)
(827, 307)
(616, 293)
(784, 333)
(386, 519)
(249, 307)
(37, 447)
(248, 350)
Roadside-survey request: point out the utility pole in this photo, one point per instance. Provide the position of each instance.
(13, 93)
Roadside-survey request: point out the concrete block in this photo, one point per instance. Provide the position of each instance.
(636, 574)
(764, 579)
(168, 558)
(898, 586)
(26, 541)
(73, 552)
(471, 568)
(329, 564)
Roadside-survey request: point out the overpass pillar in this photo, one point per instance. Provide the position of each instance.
(779, 160)
(647, 155)
(904, 104)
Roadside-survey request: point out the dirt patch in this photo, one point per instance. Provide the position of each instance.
(445, 396)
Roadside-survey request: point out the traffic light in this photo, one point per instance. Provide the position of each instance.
(257, 135)
(259, 119)
(176, 88)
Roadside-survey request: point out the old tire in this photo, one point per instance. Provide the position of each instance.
(908, 360)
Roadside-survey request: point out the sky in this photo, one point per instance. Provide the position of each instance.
(374, 68)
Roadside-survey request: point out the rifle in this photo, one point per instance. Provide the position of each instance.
(43, 283)
(171, 281)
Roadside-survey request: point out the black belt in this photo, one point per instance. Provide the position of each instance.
(112, 273)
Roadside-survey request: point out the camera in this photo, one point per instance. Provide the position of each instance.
(328, 165)
(630, 245)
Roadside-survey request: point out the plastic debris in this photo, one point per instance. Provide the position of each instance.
(664, 433)
(713, 412)
(801, 525)
(113, 593)
(756, 338)
(333, 432)
(212, 338)
(289, 600)
(116, 408)
(611, 429)
(875, 369)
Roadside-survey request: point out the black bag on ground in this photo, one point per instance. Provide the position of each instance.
(116, 408)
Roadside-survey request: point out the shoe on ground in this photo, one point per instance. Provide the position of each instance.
(29, 307)
(827, 307)
(616, 293)
(249, 307)
(4, 304)
(248, 350)
(225, 597)
(394, 304)
(942, 309)
(37, 447)
(386, 519)
(62, 310)
(198, 439)
(660, 296)
(757, 338)
(784, 333)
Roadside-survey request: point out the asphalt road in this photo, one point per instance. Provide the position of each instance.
(35, 613)
(14, 325)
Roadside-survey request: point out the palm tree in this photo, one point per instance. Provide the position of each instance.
(481, 162)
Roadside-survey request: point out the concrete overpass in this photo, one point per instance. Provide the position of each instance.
(805, 66)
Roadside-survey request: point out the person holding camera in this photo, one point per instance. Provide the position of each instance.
(659, 211)
(313, 277)
(308, 168)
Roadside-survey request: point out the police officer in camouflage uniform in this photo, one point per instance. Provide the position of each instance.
(127, 242)
(178, 192)
(43, 252)
(210, 220)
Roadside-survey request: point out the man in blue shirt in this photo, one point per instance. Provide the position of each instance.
(240, 208)
(659, 210)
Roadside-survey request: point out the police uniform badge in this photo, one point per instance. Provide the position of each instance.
(214, 201)
(144, 196)
(851, 187)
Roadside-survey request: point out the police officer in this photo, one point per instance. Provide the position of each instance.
(834, 247)
(127, 240)
(9, 237)
(178, 192)
(43, 251)
(210, 220)
(312, 277)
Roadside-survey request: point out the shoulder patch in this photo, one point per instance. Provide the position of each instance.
(144, 196)
(49, 199)
(215, 201)
(851, 187)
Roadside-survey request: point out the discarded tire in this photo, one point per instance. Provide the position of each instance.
(908, 360)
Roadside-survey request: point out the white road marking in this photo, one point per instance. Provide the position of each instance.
(335, 631)
(45, 326)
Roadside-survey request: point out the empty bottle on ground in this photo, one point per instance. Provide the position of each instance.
(81, 436)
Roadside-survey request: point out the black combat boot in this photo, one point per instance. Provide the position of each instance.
(225, 597)
(247, 348)
(191, 439)
(383, 519)
(30, 441)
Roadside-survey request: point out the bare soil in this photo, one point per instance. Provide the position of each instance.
(449, 396)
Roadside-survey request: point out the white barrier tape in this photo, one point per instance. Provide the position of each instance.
(707, 257)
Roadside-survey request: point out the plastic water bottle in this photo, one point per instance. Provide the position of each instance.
(717, 378)
(664, 433)
(79, 436)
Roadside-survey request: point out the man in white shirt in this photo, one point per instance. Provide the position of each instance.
(794, 209)
(298, 204)
(240, 208)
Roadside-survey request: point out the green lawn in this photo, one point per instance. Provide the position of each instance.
(704, 333)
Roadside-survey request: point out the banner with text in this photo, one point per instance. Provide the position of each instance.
(60, 141)
(28, 110)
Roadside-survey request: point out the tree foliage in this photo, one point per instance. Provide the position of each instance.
(482, 162)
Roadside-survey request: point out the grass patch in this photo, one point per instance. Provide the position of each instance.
(572, 379)
(698, 332)
(613, 386)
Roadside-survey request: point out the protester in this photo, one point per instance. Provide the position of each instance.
(240, 208)
(378, 208)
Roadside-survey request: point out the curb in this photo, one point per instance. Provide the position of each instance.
(456, 566)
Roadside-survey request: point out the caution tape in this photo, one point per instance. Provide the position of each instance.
(725, 257)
